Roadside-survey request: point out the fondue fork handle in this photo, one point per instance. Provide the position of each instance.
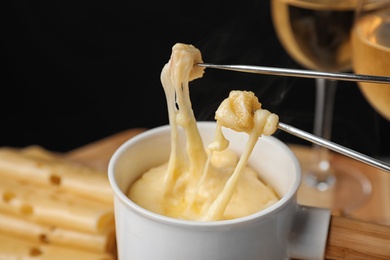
(334, 147)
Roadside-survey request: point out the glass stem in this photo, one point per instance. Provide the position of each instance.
(321, 176)
(325, 93)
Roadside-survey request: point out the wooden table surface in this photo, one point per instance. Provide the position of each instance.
(364, 234)
(374, 208)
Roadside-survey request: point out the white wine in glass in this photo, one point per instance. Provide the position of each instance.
(371, 51)
(316, 33)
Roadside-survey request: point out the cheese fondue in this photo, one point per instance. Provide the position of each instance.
(198, 182)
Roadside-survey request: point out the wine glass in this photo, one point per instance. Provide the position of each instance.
(316, 33)
(371, 51)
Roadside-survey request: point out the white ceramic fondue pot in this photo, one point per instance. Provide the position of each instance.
(282, 231)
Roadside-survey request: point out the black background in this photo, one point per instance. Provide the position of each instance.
(79, 71)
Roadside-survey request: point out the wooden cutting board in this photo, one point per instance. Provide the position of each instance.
(348, 238)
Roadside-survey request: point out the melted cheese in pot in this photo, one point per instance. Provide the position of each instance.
(198, 183)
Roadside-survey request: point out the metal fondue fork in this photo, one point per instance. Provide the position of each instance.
(314, 74)
(334, 147)
(299, 73)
